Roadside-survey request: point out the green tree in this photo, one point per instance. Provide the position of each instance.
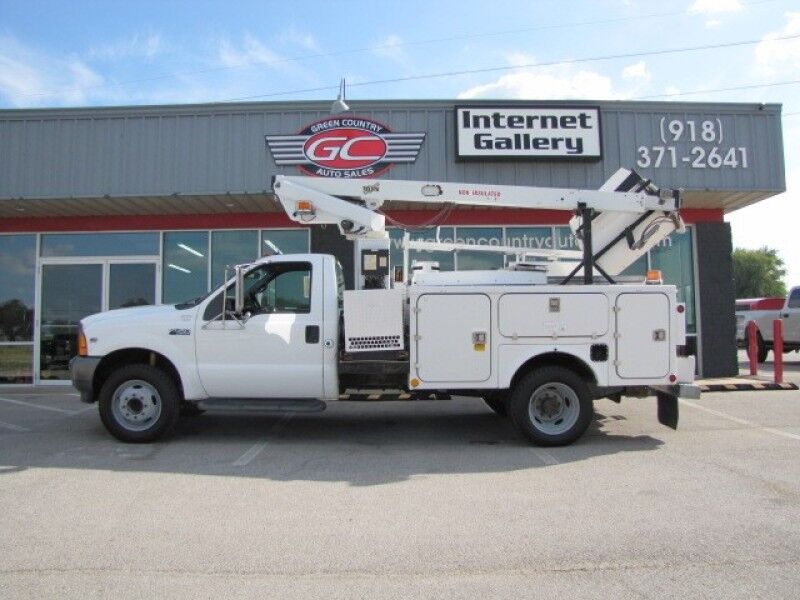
(758, 273)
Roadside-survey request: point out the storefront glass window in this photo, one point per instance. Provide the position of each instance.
(185, 265)
(565, 240)
(530, 238)
(638, 269)
(288, 241)
(69, 293)
(131, 284)
(16, 363)
(100, 244)
(446, 260)
(230, 248)
(674, 257)
(17, 285)
(467, 260)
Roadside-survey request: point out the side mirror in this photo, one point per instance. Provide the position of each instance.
(238, 289)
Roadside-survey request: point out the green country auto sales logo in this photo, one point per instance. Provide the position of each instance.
(345, 147)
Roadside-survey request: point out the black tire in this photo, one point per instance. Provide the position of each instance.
(166, 395)
(190, 409)
(762, 350)
(554, 387)
(498, 403)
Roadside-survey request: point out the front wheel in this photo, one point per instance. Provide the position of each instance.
(139, 403)
(551, 406)
(762, 350)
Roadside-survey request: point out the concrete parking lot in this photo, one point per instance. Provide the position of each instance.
(431, 499)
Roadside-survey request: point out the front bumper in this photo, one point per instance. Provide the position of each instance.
(81, 371)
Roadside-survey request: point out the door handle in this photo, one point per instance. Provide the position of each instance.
(312, 334)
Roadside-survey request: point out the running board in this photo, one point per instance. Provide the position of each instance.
(390, 395)
(260, 405)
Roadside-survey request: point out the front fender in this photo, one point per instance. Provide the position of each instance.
(178, 349)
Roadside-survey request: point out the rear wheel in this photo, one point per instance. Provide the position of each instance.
(551, 406)
(139, 403)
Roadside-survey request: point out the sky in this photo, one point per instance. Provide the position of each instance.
(82, 53)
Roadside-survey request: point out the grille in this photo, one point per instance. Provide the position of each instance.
(374, 342)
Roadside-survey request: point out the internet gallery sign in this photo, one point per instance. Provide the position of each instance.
(487, 132)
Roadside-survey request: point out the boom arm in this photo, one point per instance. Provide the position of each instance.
(626, 213)
(329, 206)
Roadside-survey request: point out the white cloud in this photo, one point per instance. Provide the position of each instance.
(778, 56)
(712, 7)
(252, 53)
(637, 71)
(713, 24)
(32, 78)
(306, 41)
(137, 46)
(391, 47)
(544, 83)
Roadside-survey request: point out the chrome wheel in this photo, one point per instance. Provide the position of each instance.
(136, 405)
(554, 408)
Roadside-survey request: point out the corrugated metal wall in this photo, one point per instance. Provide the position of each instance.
(202, 149)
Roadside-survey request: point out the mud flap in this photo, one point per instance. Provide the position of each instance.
(667, 410)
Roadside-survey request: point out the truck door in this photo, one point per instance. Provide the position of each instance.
(790, 315)
(643, 342)
(275, 353)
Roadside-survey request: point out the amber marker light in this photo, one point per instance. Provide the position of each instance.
(304, 207)
(653, 277)
(83, 347)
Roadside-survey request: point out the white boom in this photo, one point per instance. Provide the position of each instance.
(628, 214)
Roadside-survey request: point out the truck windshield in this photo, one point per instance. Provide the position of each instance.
(794, 298)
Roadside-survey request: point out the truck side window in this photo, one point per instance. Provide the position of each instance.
(794, 299)
(273, 288)
(287, 289)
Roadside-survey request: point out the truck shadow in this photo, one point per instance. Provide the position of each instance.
(348, 443)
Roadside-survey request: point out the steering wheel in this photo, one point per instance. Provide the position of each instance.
(251, 296)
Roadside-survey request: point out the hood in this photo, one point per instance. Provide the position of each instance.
(136, 313)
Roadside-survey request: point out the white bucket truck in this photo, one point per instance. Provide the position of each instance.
(533, 341)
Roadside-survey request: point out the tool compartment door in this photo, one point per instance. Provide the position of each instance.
(447, 325)
(643, 336)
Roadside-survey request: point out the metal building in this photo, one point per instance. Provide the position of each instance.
(108, 207)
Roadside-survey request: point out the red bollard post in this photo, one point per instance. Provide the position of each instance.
(777, 349)
(752, 346)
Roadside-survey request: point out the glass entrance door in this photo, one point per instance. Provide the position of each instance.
(131, 284)
(71, 291)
